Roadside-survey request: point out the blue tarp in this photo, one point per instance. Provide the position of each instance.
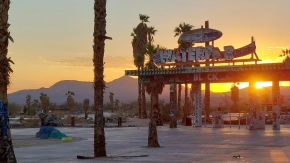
(3, 119)
(49, 132)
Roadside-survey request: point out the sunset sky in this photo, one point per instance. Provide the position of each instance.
(53, 38)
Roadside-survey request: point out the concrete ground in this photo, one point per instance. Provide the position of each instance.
(184, 144)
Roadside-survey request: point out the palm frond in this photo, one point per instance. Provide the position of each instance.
(152, 30)
(144, 18)
(182, 28)
(10, 37)
(177, 31)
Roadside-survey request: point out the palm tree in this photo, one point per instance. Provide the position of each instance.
(179, 97)
(150, 50)
(144, 18)
(151, 33)
(7, 151)
(35, 106)
(179, 30)
(86, 105)
(185, 107)
(173, 106)
(139, 63)
(44, 102)
(143, 102)
(154, 89)
(111, 97)
(70, 100)
(70, 103)
(27, 107)
(117, 104)
(139, 43)
(99, 84)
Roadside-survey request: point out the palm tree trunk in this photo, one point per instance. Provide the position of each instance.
(192, 99)
(152, 137)
(99, 84)
(173, 106)
(144, 111)
(185, 108)
(139, 96)
(179, 97)
(159, 121)
(6, 151)
(143, 100)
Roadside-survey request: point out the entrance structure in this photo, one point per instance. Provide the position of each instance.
(208, 64)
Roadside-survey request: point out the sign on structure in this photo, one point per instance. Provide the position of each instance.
(203, 53)
(200, 35)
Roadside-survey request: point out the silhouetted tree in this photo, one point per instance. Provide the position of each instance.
(111, 97)
(140, 40)
(86, 105)
(99, 84)
(179, 30)
(117, 104)
(44, 102)
(6, 146)
(27, 106)
(35, 105)
(155, 118)
(70, 100)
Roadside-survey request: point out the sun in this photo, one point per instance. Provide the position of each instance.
(263, 84)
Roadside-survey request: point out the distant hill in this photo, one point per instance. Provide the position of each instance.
(124, 88)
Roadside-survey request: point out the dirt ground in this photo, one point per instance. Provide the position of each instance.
(29, 139)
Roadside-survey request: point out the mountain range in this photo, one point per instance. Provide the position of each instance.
(125, 89)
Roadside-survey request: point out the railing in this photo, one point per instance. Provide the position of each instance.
(190, 70)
